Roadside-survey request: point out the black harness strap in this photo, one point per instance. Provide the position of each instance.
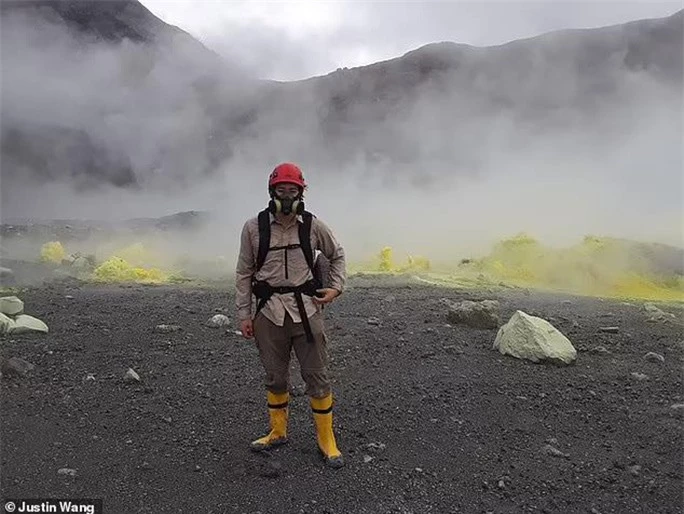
(305, 240)
(263, 290)
(264, 237)
(305, 318)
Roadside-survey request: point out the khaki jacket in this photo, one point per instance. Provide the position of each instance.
(284, 268)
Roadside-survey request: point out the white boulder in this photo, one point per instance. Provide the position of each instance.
(11, 305)
(25, 323)
(6, 324)
(535, 339)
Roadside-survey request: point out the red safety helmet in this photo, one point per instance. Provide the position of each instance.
(286, 172)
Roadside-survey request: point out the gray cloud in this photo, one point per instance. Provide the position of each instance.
(365, 32)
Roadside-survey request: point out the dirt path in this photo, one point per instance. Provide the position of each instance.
(430, 418)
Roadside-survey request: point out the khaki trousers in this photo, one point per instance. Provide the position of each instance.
(275, 345)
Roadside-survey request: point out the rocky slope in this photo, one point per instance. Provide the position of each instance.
(156, 108)
(430, 417)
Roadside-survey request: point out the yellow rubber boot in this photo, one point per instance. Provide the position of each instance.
(323, 419)
(277, 411)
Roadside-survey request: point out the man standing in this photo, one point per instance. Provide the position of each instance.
(276, 264)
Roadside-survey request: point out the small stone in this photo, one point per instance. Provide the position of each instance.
(67, 471)
(198, 468)
(677, 406)
(218, 321)
(89, 377)
(69, 297)
(600, 349)
(166, 329)
(634, 470)
(656, 314)
(373, 321)
(452, 349)
(16, 367)
(419, 470)
(376, 446)
(367, 459)
(482, 314)
(501, 484)
(554, 452)
(639, 376)
(131, 376)
(650, 307)
(609, 330)
(654, 357)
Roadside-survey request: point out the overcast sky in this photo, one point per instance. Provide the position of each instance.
(287, 40)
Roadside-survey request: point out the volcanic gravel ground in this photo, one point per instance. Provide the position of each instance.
(430, 418)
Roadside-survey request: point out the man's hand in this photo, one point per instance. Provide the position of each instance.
(329, 294)
(247, 328)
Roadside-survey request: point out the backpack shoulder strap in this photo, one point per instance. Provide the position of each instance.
(305, 239)
(264, 237)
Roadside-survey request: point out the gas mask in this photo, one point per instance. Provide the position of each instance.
(286, 204)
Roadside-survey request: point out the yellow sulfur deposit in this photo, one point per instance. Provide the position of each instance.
(117, 269)
(596, 266)
(413, 263)
(52, 251)
(386, 259)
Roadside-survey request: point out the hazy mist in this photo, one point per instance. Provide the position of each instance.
(471, 173)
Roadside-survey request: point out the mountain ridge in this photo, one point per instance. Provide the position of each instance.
(169, 122)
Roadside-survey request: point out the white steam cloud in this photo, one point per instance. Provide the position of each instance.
(527, 137)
